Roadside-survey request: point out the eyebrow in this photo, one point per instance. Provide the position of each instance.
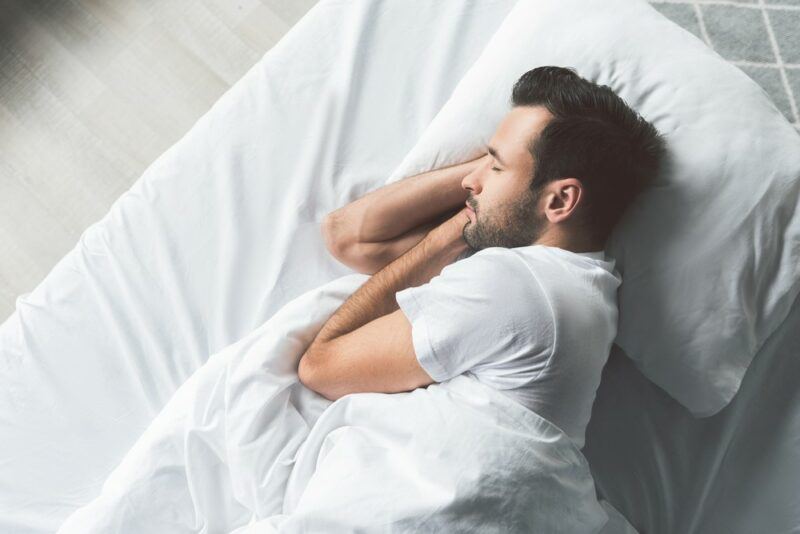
(493, 152)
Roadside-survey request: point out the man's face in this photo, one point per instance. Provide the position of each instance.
(507, 212)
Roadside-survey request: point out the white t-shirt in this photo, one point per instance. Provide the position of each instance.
(534, 322)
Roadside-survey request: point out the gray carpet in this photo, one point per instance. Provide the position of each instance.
(761, 37)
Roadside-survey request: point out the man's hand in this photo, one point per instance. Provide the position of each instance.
(452, 230)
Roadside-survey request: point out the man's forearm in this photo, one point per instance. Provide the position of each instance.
(396, 208)
(376, 297)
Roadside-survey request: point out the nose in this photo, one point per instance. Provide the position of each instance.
(471, 182)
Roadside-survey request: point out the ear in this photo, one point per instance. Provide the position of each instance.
(564, 196)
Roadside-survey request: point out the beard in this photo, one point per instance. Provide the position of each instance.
(515, 224)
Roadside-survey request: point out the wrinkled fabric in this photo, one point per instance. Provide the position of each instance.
(217, 235)
(244, 447)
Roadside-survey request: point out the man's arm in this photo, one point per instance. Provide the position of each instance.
(366, 345)
(369, 258)
(382, 225)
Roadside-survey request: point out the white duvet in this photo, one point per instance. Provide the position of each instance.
(244, 447)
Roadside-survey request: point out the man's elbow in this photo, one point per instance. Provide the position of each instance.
(304, 371)
(342, 245)
(309, 376)
(338, 240)
(332, 232)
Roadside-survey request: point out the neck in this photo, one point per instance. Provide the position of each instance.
(569, 242)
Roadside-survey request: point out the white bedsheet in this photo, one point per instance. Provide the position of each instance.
(244, 447)
(218, 234)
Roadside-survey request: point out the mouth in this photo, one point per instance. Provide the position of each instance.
(469, 207)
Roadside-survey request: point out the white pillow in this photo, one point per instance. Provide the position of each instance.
(710, 255)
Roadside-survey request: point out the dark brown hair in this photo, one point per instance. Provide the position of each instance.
(595, 137)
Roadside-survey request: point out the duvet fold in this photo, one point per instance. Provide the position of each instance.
(243, 447)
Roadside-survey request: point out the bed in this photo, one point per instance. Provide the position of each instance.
(223, 230)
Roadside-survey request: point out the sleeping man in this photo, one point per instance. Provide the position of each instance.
(513, 288)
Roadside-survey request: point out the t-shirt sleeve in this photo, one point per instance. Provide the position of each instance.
(484, 314)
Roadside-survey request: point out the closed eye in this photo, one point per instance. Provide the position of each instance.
(495, 169)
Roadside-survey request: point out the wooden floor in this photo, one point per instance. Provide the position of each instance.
(91, 92)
